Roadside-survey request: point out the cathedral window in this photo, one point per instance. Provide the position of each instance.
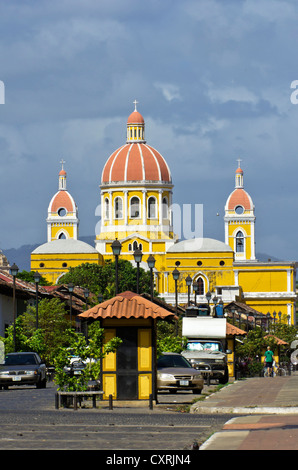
(165, 208)
(201, 287)
(152, 207)
(107, 208)
(118, 208)
(134, 207)
(239, 242)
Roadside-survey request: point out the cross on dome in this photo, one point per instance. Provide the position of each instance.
(135, 103)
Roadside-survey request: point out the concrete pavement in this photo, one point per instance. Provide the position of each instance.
(264, 414)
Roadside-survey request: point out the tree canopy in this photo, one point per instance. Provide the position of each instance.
(101, 279)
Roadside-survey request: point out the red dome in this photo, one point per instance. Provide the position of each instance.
(239, 197)
(136, 162)
(135, 118)
(62, 199)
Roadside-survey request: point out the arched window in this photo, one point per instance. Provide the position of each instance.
(118, 208)
(239, 242)
(152, 208)
(165, 208)
(134, 207)
(62, 236)
(201, 287)
(107, 208)
(135, 245)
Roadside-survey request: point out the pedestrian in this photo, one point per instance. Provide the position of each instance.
(269, 360)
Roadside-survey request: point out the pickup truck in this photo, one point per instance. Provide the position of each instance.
(205, 348)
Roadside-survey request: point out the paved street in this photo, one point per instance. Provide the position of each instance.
(29, 420)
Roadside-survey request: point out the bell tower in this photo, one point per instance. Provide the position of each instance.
(62, 220)
(240, 221)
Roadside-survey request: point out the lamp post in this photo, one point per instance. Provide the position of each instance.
(176, 275)
(151, 264)
(116, 247)
(37, 277)
(188, 281)
(70, 290)
(215, 299)
(138, 258)
(86, 295)
(14, 272)
(208, 297)
(195, 286)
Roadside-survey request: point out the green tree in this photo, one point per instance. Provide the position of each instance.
(101, 279)
(167, 340)
(90, 352)
(28, 276)
(47, 338)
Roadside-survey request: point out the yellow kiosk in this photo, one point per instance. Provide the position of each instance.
(129, 373)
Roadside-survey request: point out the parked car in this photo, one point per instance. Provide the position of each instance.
(174, 373)
(22, 368)
(75, 367)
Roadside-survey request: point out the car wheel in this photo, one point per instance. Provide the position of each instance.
(41, 383)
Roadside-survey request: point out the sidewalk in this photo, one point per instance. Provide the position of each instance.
(264, 414)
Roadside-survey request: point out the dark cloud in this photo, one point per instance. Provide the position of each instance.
(213, 83)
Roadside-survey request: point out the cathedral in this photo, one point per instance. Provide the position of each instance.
(136, 203)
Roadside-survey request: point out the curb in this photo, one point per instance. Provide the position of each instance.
(249, 410)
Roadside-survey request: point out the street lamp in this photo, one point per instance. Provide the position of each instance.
(176, 275)
(116, 247)
(208, 297)
(138, 258)
(151, 264)
(215, 299)
(70, 290)
(14, 272)
(188, 281)
(37, 277)
(86, 295)
(195, 286)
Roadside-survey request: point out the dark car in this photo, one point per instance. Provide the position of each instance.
(174, 373)
(22, 368)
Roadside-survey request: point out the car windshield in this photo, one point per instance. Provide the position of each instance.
(203, 346)
(172, 361)
(19, 359)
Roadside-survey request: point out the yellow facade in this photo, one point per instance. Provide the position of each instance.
(53, 265)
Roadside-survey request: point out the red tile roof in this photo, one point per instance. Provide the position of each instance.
(232, 330)
(127, 305)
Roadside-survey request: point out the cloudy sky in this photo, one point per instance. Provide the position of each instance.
(213, 81)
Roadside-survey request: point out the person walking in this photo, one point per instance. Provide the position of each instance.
(269, 361)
